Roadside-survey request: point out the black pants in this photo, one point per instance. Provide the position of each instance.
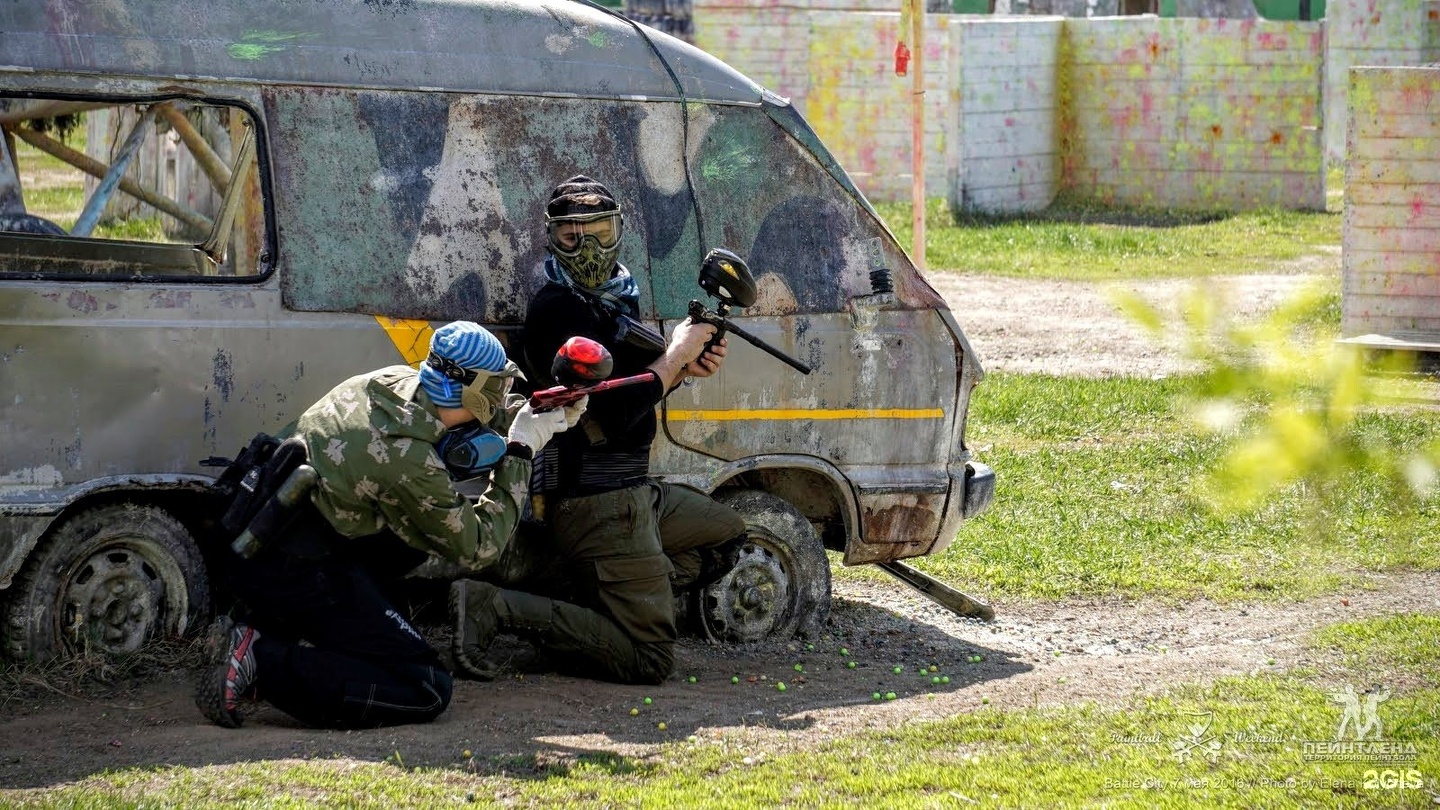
(362, 664)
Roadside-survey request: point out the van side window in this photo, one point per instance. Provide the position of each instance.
(129, 190)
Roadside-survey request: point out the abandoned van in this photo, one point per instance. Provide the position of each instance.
(270, 197)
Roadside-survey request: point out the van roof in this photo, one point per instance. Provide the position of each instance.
(529, 47)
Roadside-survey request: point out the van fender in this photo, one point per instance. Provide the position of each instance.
(26, 514)
(766, 472)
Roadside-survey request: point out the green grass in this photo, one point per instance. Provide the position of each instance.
(54, 190)
(1120, 755)
(1074, 239)
(1097, 495)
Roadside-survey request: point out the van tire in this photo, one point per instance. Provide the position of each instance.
(105, 582)
(781, 586)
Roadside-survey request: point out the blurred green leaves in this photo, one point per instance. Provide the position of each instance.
(1292, 403)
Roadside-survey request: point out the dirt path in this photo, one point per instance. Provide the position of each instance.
(1073, 328)
(1108, 649)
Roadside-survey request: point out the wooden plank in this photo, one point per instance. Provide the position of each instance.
(1370, 101)
(1418, 215)
(1367, 306)
(1398, 240)
(1395, 124)
(1425, 285)
(1400, 149)
(1379, 261)
(1375, 193)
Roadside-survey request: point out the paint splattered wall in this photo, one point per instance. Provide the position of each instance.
(1006, 157)
(1372, 32)
(1392, 203)
(1182, 112)
(1193, 113)
(862, 110)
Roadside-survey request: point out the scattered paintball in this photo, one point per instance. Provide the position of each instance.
(984, 700)
(634, 712)
(692, 739)
(810, 647)
(889, 695)
(691, 679)
(850, 664)
(944, 679)
(799, 667)
(661, 726)
(466, 753)
(875, 696)
(734, 679)
(898, 670)
(780, 686)
(844, 650)
(935, 679)
(648, 701)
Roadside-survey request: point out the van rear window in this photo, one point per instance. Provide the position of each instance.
(134, 190)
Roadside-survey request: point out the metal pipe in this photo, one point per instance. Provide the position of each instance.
(90, 215)
(95, 168)
(210, 162)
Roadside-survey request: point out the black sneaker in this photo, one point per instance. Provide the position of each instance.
(231, 676)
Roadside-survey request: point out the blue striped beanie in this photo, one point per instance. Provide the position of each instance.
(470, 346)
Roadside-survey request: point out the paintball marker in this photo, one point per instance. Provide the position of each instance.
(581, 367)
(725, 277)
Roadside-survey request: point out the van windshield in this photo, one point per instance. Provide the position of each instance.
(166, 188)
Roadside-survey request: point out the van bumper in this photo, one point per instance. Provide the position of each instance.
(979, 483)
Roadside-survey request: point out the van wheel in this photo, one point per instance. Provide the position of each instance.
(106, 581)
(781, 585)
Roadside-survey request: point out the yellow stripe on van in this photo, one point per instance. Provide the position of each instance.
(788, 414)
(411, 337)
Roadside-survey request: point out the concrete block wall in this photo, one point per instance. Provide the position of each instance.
(1375, 33)
(1193, 113)
(1163, 111)
(1006, 152)
(1391, 261)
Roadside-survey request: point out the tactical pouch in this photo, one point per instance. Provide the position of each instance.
(253, 480)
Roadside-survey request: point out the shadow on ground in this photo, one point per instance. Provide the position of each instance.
(532, 722)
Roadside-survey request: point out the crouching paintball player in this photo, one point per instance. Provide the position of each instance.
(321, 639)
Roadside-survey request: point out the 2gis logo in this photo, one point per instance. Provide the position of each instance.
(1392, 779)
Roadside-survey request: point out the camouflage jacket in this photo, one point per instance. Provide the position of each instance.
(372, 441)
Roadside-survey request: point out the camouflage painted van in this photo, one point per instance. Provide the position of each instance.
(278, 194)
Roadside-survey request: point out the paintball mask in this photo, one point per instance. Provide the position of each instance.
(583, 224)
(470, 450)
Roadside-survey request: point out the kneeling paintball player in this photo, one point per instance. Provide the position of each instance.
(322, 641)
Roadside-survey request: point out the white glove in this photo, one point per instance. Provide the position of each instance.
(535, 429)
(575, 410)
